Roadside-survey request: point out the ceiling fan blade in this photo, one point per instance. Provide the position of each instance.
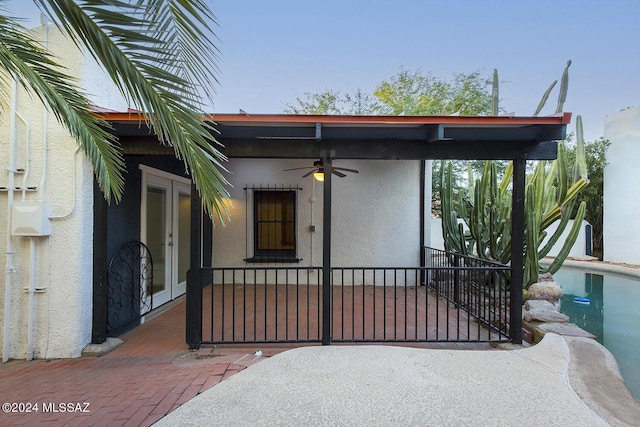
(314, 170)
(295, 169)
(346, 169)
(340, 174)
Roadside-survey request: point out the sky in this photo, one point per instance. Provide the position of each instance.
(275, 51)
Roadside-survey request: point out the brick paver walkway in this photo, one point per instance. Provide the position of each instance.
(139, 382)
(136, 384)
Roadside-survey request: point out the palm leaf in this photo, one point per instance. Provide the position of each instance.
(156, 55)
(26, 61)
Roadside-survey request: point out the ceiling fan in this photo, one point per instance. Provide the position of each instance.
(318, 170)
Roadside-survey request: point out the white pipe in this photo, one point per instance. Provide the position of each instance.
(28, 157)
(45, 125)
(9, 256)
(32, 290)
(73, 197)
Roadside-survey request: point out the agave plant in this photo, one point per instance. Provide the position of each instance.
(482, 227)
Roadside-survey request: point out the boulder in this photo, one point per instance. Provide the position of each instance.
(548, 291)
(538, 304)
(545, 315)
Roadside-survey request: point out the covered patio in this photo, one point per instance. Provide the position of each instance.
(328, 138)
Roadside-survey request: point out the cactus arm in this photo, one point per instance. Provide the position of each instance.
(545, 97)
(580, 168)
(564, 86)
(506, 179)
(563, 176)
(571, 239)
(531, 236)
(495, 98)
(562, 225)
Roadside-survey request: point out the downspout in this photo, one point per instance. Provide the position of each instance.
(9, 257)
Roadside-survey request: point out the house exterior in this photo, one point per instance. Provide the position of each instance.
(621, 230)
(62, 240)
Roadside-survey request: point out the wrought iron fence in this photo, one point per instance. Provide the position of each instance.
(262, 304)
(477, 286)
(451, 298)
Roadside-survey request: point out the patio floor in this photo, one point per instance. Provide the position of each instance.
(139, 382)
(289, 313)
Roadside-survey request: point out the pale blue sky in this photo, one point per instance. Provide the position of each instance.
(274, 51)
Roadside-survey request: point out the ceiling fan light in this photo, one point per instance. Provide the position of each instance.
(319, 176)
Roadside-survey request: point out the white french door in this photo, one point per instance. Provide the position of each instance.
(165, 229)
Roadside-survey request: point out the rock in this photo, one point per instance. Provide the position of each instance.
(545, 315)
(548, 291)
(564, 329)
(538, 304)
(545, 277)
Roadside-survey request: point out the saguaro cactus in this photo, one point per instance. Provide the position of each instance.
(482, 227)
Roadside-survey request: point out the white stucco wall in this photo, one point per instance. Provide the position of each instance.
(63, 261)
(621, 228)
(375, 221)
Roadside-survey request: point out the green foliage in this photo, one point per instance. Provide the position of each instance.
(595, 154)
(333, 102)
(159, 55)
(423, 94)
(551, 195)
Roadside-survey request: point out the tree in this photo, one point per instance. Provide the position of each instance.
(333, 102)
(423, 94)
(411, 93)
(595, 153)
(159, 55)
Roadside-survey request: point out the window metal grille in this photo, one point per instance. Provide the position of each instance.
(274, 225)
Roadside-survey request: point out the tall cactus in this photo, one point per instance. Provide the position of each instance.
(550, 197)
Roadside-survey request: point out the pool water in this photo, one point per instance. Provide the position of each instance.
(612, 315)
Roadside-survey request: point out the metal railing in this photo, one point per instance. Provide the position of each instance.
(451, 298)
(261, 304)
(477, 286)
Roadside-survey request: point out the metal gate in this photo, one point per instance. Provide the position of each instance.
(129, 290)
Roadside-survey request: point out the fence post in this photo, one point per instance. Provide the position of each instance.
(194, 285)
(517, 250)
(326, 253)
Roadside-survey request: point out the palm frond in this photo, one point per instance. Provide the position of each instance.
(157, 54)
(26, 61)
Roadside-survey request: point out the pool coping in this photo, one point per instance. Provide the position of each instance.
(599, 266)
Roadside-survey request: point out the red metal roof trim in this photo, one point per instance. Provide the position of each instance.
(556, 119)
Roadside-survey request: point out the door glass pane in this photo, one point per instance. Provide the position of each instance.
(184, 236)
(156, 234)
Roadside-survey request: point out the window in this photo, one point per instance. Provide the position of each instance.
(274, 226)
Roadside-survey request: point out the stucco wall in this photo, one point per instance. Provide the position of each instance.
(621, 183)
(375, 213)
(63, 261)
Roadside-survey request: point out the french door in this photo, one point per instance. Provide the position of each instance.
(165, 228)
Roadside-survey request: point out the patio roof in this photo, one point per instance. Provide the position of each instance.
(366, 137)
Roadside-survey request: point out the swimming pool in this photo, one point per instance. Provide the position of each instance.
(612, 315)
